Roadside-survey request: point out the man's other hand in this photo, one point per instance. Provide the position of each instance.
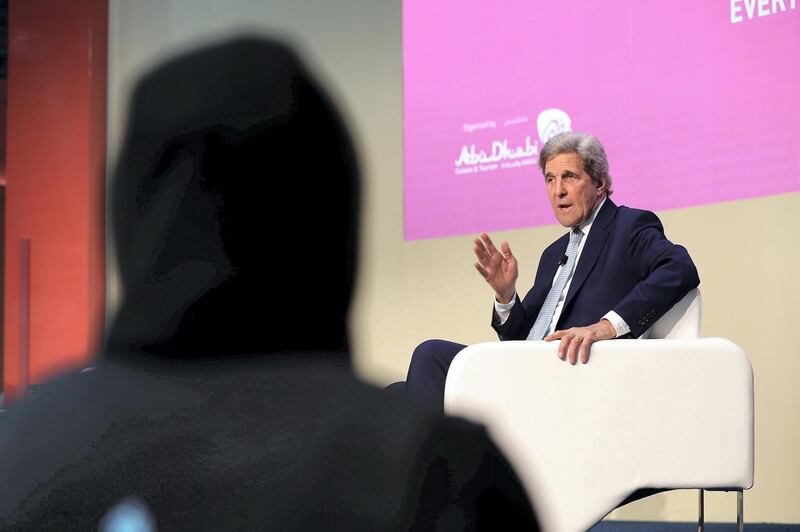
(579, 340)
(498, 268)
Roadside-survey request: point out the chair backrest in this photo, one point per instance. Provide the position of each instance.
(681, 322)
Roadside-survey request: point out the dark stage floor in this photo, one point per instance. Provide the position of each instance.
(651, 526)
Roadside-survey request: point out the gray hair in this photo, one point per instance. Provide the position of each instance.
(589, 150)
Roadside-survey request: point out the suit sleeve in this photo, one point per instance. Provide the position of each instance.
(665, 270)
(513, 327)
(523, 313)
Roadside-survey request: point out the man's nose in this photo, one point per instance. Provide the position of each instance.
(560, 190)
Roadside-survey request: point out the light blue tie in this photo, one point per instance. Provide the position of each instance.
(549, 307)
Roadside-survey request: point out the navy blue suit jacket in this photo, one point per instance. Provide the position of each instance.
(627, 265)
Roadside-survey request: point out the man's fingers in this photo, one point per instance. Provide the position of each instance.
(487, 254)
(480, 252)
(479, 246)
(482, 271)
(506, 249)
(568, 346)
(563, 345)
(488, 243)
(554, 336)
(574, 345)
(585, 347)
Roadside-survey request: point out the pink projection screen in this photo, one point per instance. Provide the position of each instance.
(695, 101)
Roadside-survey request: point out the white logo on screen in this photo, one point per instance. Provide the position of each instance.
(551, 122)
(504, 154)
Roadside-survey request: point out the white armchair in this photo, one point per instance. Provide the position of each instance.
(669, 413)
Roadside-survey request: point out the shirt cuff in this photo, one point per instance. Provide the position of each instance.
(503, 310)
(619, 324)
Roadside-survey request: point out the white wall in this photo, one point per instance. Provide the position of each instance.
(747, 252)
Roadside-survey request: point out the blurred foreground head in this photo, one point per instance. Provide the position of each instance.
(235, 205)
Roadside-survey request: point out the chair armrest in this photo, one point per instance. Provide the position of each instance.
(641, 414)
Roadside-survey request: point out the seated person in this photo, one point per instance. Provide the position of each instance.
(215, 406)
(612, 275)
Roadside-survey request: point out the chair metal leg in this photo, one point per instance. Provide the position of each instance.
(740, 510)
(701, 511)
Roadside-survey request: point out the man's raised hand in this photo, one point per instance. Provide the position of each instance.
(498, 268)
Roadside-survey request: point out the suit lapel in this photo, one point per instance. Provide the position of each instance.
(591, 250)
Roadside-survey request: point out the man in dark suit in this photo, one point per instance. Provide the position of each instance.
(611, 276)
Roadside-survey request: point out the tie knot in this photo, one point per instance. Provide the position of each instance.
(575, 235)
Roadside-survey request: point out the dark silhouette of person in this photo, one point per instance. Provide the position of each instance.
(224, 398)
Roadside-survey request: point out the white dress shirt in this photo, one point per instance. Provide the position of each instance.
(503, 309)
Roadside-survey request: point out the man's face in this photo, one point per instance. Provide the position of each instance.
(572, 194)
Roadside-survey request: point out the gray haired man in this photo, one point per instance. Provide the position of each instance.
(612, 275)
